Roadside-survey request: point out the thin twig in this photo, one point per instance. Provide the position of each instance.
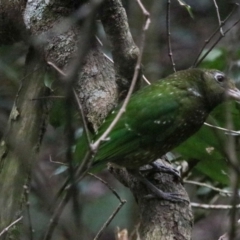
(11, 225)
(109, 220)
(96, 144)
(78, 103)
(55, 217)
(229, 29)
(219, 18)
(223, 129)
(108, 186)
(170, 54)
(221, 191)
(224, 151)
(196, 62)
(48, 97)
(56, 162)
(143, 76)
(81, 171)
(146, 80)
(233, 25)
(108, 58)
(56, 68)
(144, 10)
(69, 129)
(83, 117)
(235, 196)
(122, 202)
(72, 178)
(26, 193)
(234, 176)
(208, 51)
(216, 42)
(214, 207)
(99, 41)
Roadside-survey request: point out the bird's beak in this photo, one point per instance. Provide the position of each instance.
(233, 93)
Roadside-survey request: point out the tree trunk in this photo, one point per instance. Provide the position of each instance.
(22, 140)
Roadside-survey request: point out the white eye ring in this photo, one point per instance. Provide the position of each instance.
(219, 77)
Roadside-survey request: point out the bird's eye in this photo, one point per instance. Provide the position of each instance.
(219, 77)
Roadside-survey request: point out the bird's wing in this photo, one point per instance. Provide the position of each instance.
(143, 122)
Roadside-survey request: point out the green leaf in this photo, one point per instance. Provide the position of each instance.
(208, 144)
(188, 7)
(81, 148)
(60, 170)
(216, 169)
(48, 81)
(213, 55)
(216, 59)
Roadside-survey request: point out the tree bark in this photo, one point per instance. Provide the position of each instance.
(97, 87)
(124, 50)
(159, 219)
(22, 140)
(12, 28)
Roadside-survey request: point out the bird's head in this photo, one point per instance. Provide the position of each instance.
(219, 88)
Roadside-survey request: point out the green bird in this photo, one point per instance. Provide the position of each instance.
(161, 116)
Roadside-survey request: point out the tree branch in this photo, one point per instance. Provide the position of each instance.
(124, 50)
